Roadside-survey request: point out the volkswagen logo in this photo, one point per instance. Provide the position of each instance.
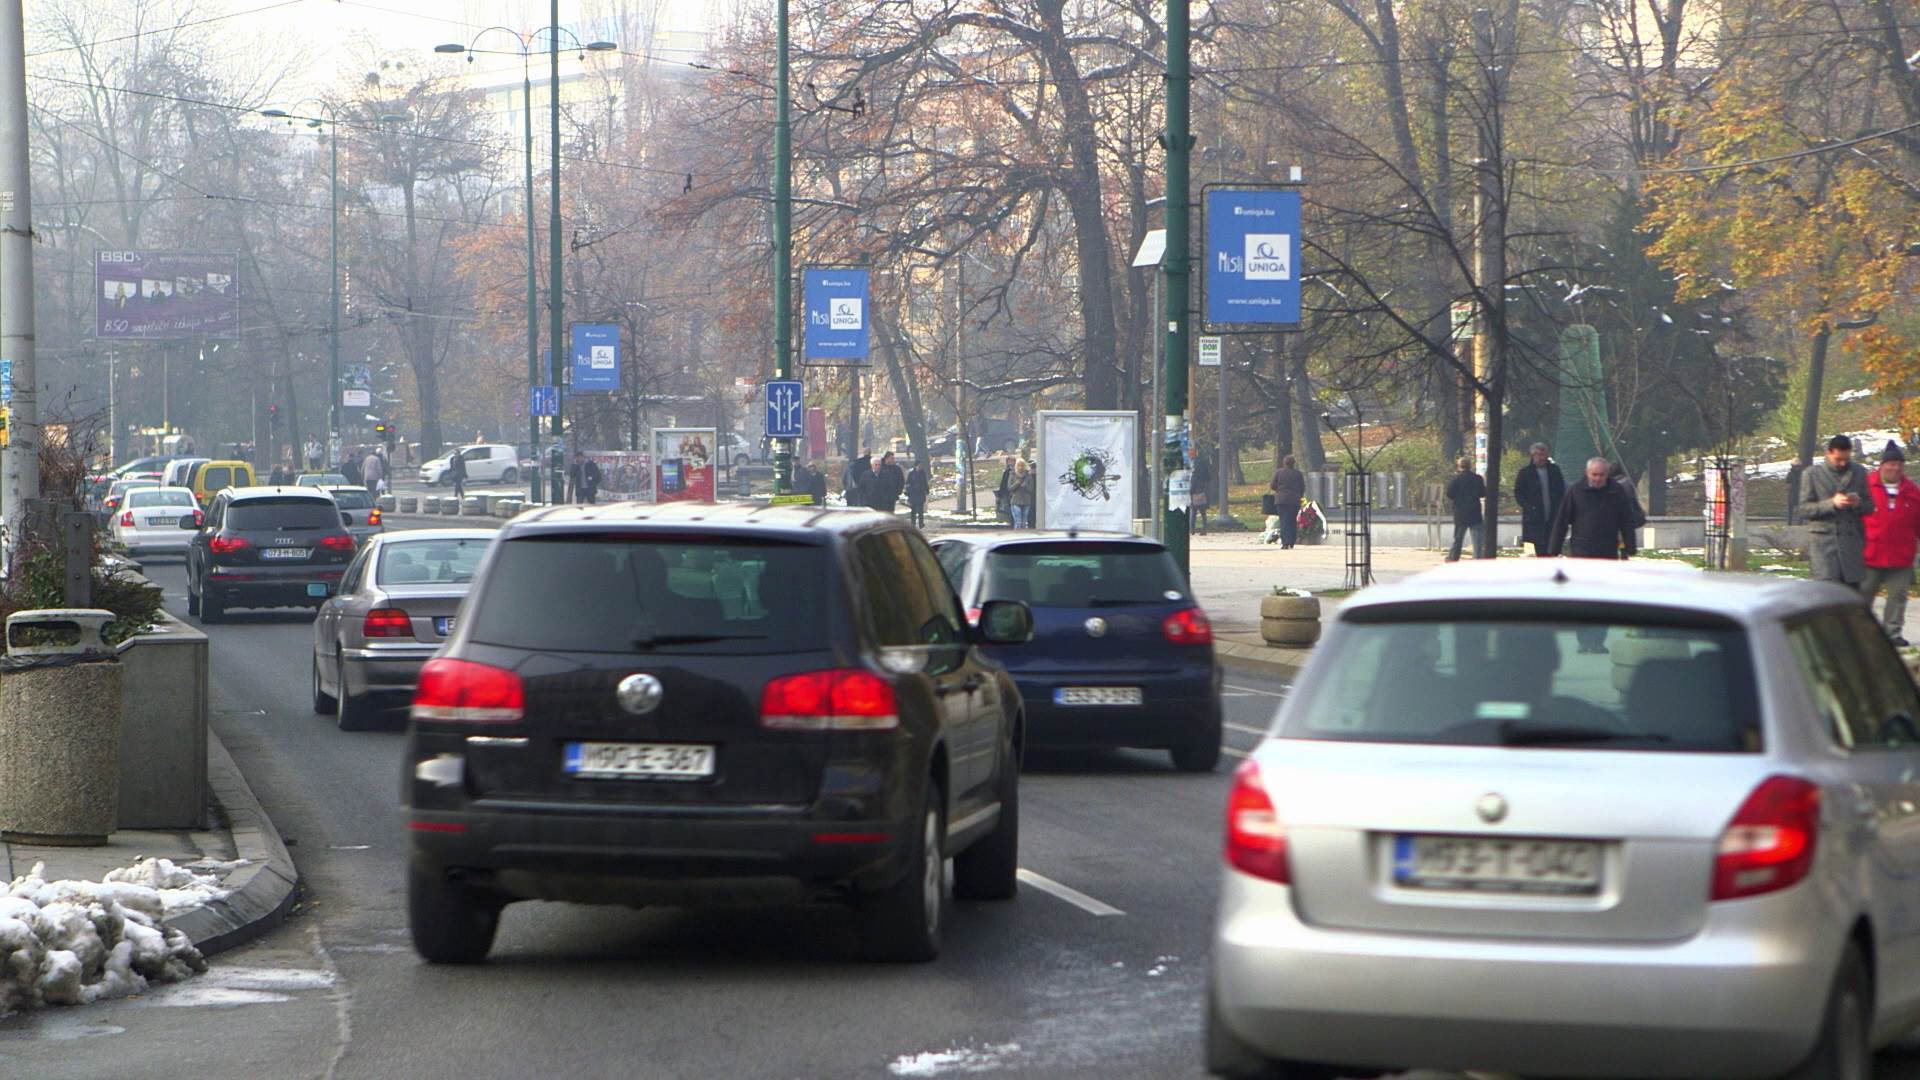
(1096, 627)
(1492, 808)
(639, 694)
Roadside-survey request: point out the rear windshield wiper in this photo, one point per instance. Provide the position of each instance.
(1517, 734)
(648, 641)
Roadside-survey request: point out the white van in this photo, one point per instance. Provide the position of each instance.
(487, 463)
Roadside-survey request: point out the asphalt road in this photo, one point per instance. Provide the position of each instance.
(1042, 986)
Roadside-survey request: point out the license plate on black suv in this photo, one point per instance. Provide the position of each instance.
(285, 553)
(638, 761)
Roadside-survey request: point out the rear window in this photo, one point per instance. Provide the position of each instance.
(216, 477)
(123, 486)
(430, 562)
(276, 514)
(1082, 574)
(1600, 685)
(625, 594)
(138, 499)
(353, 500)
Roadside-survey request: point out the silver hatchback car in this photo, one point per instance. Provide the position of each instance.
(1575, 818)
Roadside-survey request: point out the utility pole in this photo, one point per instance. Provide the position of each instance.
(1490, 268)
(21, 473)
(783, 242)
(533, 289)
(1179, 147)
(556, 301)
(333, 307)
(962, 446)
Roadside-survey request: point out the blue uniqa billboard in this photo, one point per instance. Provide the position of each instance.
(1252, 271)
(835, 309)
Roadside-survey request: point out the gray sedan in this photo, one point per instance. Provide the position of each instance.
(396, 605)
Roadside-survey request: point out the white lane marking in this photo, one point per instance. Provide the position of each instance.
(1255, 690)
(1061, 892)
(1243, 727)
(1235, 753)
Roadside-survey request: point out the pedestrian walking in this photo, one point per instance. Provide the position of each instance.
(457, 475)
(1289, 487)
(1892, 539)
(1834, 501)
(1197, 494)
(1466, 491)
(918, 483)
(350, 468)
(373, 472)
(1021, 493)
(313, 455)
(889, 480)
(1595, 520)
(856, 480)
(585, 478)
(1003, 492)
(1539, 489)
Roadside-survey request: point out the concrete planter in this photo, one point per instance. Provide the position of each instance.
(497, 505)
(408, 504)
(1291, 622)
(163, 728)
(472, 506)
(388, 503)
(430, 504)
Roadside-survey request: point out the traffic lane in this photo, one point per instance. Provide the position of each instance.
(1080, 994)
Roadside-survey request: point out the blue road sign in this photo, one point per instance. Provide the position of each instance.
(596, 356)
(545, 401)
(6, 382)
(1253, 257)
(836, 314)
(786, 410)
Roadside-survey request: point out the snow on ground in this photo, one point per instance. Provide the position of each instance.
(1854, 395)
(957, 1060)
(74, 942)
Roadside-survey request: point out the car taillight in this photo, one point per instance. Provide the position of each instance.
(463, 692)
(1769, 844)
(387, 622)
(841, 699)
(112, 503)
(973, 616)
(1188, 627)
(1256, 840)
(126, 520)
(340, 542)
(227, 545)
(373, 516)
(198, 519)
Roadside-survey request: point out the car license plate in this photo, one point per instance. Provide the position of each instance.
(316, 589)
(1497, 864)
(639, 761)
(285, 553)
(443, 625)
(1097, 695)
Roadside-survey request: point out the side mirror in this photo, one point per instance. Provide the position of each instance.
(346, 518)
(187, 522)
(1005, 622)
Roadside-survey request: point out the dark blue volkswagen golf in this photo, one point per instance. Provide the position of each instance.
(1121, 653)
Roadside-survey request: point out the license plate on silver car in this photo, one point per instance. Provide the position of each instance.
(1497, 864)
(1097, 695)
(285, 553)
(443, 625)
(638, 761)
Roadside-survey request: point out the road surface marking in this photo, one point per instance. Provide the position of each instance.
(1061, 892)
(1245, 728)
(1236, 753)
(1254, 690)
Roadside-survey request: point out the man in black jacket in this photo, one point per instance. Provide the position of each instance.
(887, 484)
(1539, 489)
(1465, 491)
(1596, 519)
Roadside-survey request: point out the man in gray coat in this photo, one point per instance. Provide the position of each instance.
(1834, 500)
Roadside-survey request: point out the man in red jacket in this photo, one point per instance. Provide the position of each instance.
(1893, 534)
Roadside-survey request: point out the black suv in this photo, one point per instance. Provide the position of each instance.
(712, 705)
(266, 547)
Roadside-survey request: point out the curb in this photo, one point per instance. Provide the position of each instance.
(263, 890)
(1260, 660)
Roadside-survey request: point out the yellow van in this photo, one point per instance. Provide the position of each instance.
(213, 477)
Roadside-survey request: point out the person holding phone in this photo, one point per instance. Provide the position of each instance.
(1834, 502)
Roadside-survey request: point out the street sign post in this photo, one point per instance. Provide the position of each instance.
(1251, 273)
(786, 409)
(836, 315)
(545, 401)
(596, 357)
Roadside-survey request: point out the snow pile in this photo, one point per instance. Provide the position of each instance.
(990, 1058)
(74, 942)
(1854, 395)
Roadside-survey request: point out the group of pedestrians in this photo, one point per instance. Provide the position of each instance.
(1598, 518)
(880, 486)
(1017, 491)
(1863, 527)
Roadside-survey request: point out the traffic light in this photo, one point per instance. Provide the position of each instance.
(273, 415)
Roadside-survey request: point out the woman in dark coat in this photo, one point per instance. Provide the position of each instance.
(917, 485)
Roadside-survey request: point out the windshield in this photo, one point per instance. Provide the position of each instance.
(620, 594)
(1077, 574)
(158, 497)
(352, 500)
(1563, 684)
(121, 487)
(430, 562)
(282, 514)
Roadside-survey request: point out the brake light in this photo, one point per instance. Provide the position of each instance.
(373, 516)
(463, 692)
(1769, 844)
(112, 503)
(126, 520)
(1188, 626)
(1256, 840)
(340, 542)
(227, 545)
(198, 519)
(973, 616)
(840, 699)
(387, 622)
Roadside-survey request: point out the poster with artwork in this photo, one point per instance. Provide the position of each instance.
(1085, 468)
(625, 475)
(683, 464)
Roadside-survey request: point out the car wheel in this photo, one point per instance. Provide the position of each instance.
(511, 476)
(193, 597)
(1844, 1051)
(352, 712)
(323, 702)
(1228, 1056)
(450, 924)
(908, 917)
(211, 610)
(988, 869)
(1200, 751)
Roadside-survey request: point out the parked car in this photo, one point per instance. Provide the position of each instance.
(396, 605)
(699, 704)
(1122, 655)
(321, 480)
(1577, 818)
(989, 437)
(266, 547)
(212, 477)
(152, 464)
(486, 464)
(738, 452)
(157, 521)
(359, 511)
(117, 494)
(179, 471)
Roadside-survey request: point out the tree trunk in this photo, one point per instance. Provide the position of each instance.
(1654, 482)
(1810, 407)
(1313, 447)
(912, 414)
(1283, 413)
(417, 333)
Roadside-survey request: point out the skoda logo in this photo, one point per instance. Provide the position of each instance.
(639, 694)
(1096, 627)
(1492, 808)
